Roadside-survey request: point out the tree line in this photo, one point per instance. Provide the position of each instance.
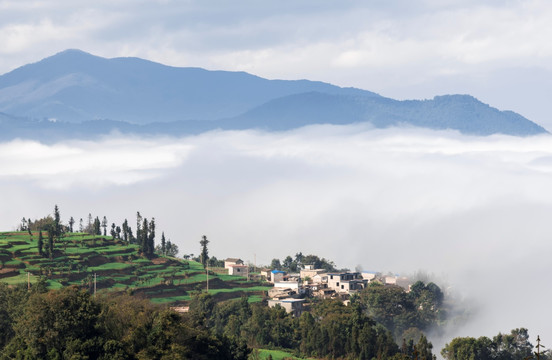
(54, 229)
(294, 264)
(72, 324)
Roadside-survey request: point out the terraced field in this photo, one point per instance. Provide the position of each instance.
(117, 267)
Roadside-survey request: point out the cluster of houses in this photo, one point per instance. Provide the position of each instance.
(290, 290)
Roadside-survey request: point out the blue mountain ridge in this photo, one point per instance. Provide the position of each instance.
(76, 94)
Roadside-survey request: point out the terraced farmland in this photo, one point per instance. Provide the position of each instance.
(117, 267)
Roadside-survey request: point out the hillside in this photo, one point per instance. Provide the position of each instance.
(118, 268)
(74, 94)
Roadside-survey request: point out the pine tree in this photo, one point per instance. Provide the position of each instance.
(151, 237)
(51, 243)
(144, 237)
(113, 233)
(57, 223)
(71, 223)
(104, 225)
(138, 227)
(163, 244)
(40, 243)
(204, 257)
(126, 232)
(97, 226)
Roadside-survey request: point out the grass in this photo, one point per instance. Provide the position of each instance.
(119, 266)
(110, 266)
(277, 354)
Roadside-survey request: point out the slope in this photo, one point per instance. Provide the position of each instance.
(75, 86)
(118, 267)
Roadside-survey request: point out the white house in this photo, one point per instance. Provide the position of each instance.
(293, 306)
(242, 270)
(346, 282)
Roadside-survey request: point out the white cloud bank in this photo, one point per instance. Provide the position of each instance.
(475, 210)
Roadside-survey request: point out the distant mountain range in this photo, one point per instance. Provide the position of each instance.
(76, 94)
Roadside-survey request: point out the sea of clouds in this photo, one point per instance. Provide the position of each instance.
(475, 212)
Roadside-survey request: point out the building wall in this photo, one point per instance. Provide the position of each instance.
(238, 270)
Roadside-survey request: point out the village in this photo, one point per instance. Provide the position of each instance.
(291, 290)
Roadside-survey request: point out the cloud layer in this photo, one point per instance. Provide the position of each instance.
(472, 210)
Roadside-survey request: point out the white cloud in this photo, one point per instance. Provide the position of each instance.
(116, 161)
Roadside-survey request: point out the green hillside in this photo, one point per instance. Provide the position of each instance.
(118, 267)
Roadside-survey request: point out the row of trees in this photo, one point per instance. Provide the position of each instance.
(144, 237)
(513, 346)
(294, 264)
(331, 330)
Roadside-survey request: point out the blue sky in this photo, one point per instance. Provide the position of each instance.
(498, 51)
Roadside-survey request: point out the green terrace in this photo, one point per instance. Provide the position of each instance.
(78, 258)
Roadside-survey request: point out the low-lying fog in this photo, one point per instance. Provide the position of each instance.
(474, 211)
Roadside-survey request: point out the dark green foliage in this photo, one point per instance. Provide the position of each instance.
(291, 264)
(275, 264)
(204, 256)
(403, 312)
(171, 249)
(50, 248)
(71, 324)
(41, 224)
(214, 262)
(40, 243)
(513, 346)
(57, 230)
(97, 227)
(331, 330)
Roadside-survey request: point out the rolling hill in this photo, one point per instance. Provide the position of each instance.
(118, 267)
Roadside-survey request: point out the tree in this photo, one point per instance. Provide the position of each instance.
(97, 226)
(171, 249)
(275, 264)
(138, 226)
(104, 225)
(40, 243)
(151, 237)
(71, 223)
(144, 237)
(163, 244)
(23, 226)
(51, 243)
(113, 233)
(81, 226)
(57, 222)
(204, 257)
(89, 228)
(126, 238)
